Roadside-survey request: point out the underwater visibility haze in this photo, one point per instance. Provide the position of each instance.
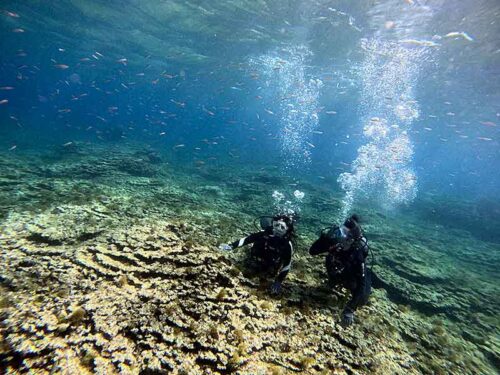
(138, 136)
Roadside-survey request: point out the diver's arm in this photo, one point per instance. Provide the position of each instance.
(320, 246)
(247, 240)
(286, 262)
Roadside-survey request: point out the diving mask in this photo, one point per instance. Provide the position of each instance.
(279, 228)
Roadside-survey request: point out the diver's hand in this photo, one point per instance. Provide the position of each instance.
(347, 317)
(225, 247)
(275, 288)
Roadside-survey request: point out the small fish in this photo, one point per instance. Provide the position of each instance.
(331, 112)
(83, 59)
(428, 128)
(4, 101)
(461, 34)
(7, 88)
(13, 148)
(98, 54)
(179, 145)
(317, 132)
(420, 43)
(18, 30)
(122, 61)
(208, 111)
(488, 123)
(484, 139)
(311, 145)
(11, 14)
(163, 133)
(67, 144)
(64, 110)
(61, 66)
(180, 104)
(269, 111)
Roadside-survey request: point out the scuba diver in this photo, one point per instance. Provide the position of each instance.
(347, 250)
(272, 247)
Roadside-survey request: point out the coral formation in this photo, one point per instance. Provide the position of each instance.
(129, 280)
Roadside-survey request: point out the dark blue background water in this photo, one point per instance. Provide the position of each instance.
(189, 75)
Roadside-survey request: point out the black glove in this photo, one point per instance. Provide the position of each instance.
(347, 317)
(275, 288)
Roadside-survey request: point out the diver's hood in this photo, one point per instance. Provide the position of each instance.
(266, 222)
(337, 234)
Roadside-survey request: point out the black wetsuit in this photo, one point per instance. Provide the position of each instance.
(347, 268)
(272, 251)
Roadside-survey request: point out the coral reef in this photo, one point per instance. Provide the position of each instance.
(129, 280)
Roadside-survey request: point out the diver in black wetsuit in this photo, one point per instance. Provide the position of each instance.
(347, 250)
(272, 247)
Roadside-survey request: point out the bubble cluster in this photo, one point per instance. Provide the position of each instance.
(286, 206)
(297, 95)
(382, 169)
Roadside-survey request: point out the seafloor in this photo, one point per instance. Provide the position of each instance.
(109, 265)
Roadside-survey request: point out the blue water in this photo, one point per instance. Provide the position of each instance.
(179, 72)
